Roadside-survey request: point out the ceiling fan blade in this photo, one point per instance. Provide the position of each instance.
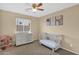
(39, 5)
(40, 9)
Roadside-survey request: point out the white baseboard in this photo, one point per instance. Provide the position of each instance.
(70, 50)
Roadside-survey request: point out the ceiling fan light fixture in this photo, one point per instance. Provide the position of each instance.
(34, 10)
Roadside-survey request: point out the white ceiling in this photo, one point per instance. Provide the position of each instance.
(48, 8)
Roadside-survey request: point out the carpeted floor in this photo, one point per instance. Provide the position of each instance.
(33, 48)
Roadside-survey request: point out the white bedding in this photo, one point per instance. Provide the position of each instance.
(49, 43)
(51, 40)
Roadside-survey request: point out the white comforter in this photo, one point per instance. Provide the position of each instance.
(49, 43)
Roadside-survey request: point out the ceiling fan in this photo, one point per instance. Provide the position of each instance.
(35, 7)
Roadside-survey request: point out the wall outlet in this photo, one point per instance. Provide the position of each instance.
(70, 45)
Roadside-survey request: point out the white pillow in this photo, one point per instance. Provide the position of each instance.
(54, 37)
(45, 36)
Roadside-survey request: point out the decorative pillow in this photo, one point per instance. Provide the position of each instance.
(54, 37)
(44, 36)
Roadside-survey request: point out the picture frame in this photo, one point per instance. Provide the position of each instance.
(48, 21)
(59, 20)
(52, 21)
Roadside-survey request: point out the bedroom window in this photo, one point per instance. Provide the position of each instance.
(23, 25)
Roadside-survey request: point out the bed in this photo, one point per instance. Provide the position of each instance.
(52, 41)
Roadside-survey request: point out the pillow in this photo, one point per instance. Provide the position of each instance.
(45, 36)
(54, 37)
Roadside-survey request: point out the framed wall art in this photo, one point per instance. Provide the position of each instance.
(52, 21)
(48, 21)
(59, 20)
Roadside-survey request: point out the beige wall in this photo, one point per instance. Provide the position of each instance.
(8, 23)
(0, 23)
(70, 29)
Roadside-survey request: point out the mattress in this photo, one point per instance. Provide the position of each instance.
(49, 43)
